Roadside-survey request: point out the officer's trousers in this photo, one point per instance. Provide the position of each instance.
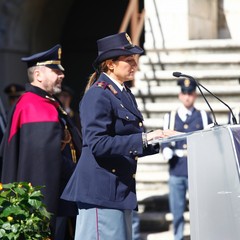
(104, 224)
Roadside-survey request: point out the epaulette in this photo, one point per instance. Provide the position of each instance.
(112, 89)
(105, 85)
(101, 84)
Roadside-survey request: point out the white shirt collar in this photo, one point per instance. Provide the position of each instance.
(182, 112)
(116, 82)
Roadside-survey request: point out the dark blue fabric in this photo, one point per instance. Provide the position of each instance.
(178, 165)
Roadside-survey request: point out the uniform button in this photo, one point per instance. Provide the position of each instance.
(130, 152)
(136, 158)
(185, 126)
(184, 146)
(127, 117)
(135, 152)
(134, 175)
(121, 105)
(113, 170)
(140, 124)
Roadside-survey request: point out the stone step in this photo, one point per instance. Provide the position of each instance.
(206, 58)
(162, 91)
(197, 46)
(150, 167)
(158, 226)
(155, 108)
(158, 61)
(165, 235)
(165, 218)
(159, 77)
(153, 176)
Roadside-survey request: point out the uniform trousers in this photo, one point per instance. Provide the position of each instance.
(103, 224)
(178, 187)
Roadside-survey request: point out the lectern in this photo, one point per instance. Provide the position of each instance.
(214, 182)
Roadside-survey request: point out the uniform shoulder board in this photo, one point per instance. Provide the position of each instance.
(112, 89)
(105, 85)
(101, 84)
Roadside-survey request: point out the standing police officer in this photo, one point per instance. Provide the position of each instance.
(103, 183)
(184, 119)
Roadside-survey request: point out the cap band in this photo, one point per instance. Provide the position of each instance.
(48, 63)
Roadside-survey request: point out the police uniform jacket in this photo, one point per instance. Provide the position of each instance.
(194, 122)
(36, 148)
(112, 129)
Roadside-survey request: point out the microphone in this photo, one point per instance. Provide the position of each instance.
(178, 74)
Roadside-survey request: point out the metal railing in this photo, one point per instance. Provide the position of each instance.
(134, 20)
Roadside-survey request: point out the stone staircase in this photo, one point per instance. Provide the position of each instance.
(213, 63)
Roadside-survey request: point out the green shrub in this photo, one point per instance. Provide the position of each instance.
(23, 216)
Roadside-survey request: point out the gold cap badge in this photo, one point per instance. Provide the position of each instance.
(59, 53)
(128, 38)
(186, 82)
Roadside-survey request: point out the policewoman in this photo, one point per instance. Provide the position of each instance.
(103, 183)
(186, 118)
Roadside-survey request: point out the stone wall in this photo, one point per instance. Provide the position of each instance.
(173, 22)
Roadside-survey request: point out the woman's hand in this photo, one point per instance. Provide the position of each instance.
(161, 134)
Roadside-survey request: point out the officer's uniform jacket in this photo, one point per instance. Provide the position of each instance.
(112, 129)
(196, 121)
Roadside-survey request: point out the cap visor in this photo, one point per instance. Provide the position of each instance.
(55, 66)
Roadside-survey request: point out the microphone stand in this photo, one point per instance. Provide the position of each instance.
(178, 74)
(233, 117)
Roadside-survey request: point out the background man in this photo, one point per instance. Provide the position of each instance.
(13, 92)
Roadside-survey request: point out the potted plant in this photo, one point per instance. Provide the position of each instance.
(23, 216)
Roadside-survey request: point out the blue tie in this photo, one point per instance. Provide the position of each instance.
(127, 95)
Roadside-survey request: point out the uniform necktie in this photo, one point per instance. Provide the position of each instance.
(127, 95)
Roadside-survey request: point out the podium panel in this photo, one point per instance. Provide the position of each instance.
(214, 183)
